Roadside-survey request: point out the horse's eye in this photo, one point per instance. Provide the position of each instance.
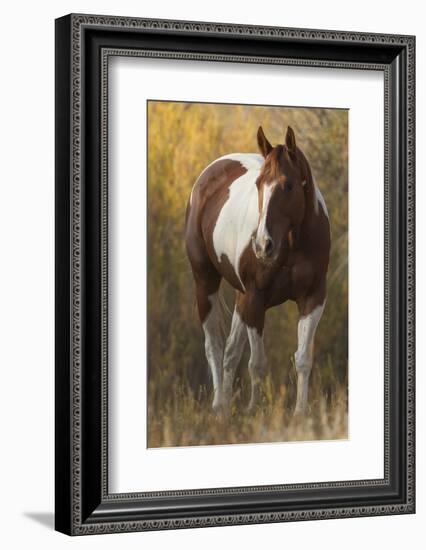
(288, 186)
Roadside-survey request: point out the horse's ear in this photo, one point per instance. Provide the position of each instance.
(264, 145)
(290, 141)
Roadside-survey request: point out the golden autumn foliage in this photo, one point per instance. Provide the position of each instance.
(183, 138)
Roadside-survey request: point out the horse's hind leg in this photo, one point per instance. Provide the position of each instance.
(233, 350)
(211, 317)
(310, 311)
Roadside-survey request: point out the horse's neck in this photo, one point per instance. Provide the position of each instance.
(311, 202)
(310, 228)
(311, 197)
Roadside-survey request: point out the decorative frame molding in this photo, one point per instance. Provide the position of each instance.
(83, 47)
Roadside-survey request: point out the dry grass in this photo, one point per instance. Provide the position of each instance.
(185, 420)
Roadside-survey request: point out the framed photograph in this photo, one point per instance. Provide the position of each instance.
(234, 274)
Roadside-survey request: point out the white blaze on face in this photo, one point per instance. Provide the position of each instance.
(262, 230)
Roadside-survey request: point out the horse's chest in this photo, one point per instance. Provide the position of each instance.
(302, 276)
(290, 282)
(236, 222)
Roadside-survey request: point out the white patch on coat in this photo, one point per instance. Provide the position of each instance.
(262, 231)
(304, 355)
(250, 161)
(239, 216)
(214, 344)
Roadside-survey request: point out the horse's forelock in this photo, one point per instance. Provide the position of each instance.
(272, 167)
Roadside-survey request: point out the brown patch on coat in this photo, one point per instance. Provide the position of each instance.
(209, 194)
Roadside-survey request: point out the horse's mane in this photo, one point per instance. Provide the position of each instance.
(310, 185)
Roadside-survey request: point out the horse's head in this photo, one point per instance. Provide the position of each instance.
(281, 197)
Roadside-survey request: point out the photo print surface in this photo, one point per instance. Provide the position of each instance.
(247, 276)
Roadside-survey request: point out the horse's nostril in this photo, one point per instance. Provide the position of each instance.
(269, 246)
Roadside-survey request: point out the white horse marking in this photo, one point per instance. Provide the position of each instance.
(250, 161)
(257, 363)
(233, 351)
(304, 355)
(214, 344)
(262, 231)
(239, 215)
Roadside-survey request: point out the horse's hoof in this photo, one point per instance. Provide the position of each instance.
(217, 408)
(300, 413)
(220, 408)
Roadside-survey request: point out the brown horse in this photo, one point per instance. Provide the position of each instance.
(260, 222)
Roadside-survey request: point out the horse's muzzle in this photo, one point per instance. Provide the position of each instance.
(264, 251)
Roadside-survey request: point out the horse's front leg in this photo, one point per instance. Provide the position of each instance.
(257, 366)
(310, 311)
(253, 315)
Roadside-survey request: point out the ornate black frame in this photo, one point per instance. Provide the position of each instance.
(83, 46)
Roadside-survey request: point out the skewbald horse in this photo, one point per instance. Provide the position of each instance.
(261, 223)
